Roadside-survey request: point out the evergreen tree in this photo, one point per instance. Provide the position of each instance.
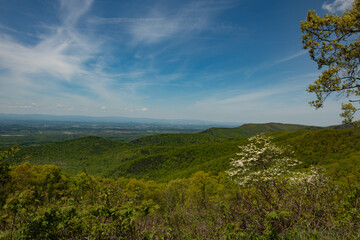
(334, 43)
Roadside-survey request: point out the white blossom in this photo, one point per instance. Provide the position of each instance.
(263, 161)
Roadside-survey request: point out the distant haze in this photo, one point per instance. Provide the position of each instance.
(40, 117)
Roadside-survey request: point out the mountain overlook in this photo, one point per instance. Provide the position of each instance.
(169, 177)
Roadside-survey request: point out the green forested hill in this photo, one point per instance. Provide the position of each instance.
(179, 161)
(88, 154)
(336, 150)
(251, 129)
(170, 156)
(175, 139)
(167, 157)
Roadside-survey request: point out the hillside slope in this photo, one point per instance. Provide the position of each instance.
(169, 153)
(174, 139)
(89, 154)
(336, 150)
(180, 161)
(169, 156)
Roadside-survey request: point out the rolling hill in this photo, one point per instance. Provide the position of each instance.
(169, 156)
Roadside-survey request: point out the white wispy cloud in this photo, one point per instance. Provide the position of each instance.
(149, 61)
(21, 59)
(184, 21)
(53, 70)
(124, 20)
(103, 108)
(270, 64)
(59, 54)
(8, 29)
(267, 105)
(23, 106)
(249, 96)
(73, 10)
(338, 6)
(160, 23)
(290, 57)
(254, 96)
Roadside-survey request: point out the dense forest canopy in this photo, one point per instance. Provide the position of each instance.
(43, 201)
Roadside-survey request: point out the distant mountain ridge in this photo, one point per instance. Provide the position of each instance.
(213, 134)
(251, 129)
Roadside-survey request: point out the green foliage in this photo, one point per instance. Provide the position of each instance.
(175, 139)
(202, 206)
(167, 157)
(5, 165)
(174, 162)
(333, 42)
(336, 150)
(88, 154)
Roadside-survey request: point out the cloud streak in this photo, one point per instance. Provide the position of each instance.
(60, 54)
(338, 6)
(54, 70)
(159, 24)
(251, 97)
(267, 105)
(21, 59)
(271, 64)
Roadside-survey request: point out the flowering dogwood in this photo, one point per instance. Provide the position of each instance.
(263, 161)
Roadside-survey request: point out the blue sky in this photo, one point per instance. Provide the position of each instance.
(229, 61)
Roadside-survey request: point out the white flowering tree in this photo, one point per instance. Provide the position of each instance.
(263, 161)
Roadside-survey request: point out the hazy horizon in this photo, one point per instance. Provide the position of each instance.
(137, 120)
